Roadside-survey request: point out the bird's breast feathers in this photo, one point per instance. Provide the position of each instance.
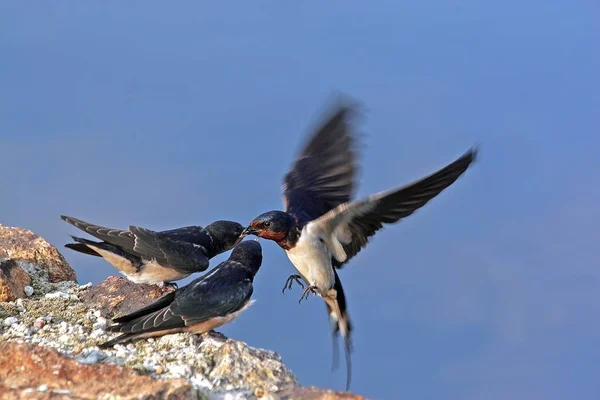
(213, 323)
(312, 258)
(152, 272)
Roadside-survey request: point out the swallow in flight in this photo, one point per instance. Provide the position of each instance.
(321, 229)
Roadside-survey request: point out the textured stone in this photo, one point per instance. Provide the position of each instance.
(213, 366)
(23, 245)
(38, 373)
(117, 296)
(238, 367)
(48, 346)
(12, 280)
(311, 393)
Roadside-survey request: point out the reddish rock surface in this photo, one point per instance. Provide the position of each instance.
(312, 393)
(25, 368)
(12, 280)
(23, 245)
(34, 372)
(117, 296)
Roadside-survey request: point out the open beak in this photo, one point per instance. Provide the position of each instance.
(249, 231)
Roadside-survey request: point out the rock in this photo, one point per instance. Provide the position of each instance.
(312, 393)
(39, 323)
(28, 291)
(117, 296)
(100, 324)
(13, 280)
(10, 320)
(23, 245)
(238, 365)
(42, 373)
(29, 265)
(67, 333)
(51, 329)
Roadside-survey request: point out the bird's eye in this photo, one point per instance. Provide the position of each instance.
(267, 224)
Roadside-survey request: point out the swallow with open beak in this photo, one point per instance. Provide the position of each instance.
(208, 302)
(321, 229)
(146, 256)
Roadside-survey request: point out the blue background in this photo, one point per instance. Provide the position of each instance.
(168, 115)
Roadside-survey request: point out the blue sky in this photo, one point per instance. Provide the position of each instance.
(163, 116)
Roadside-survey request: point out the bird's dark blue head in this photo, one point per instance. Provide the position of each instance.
(272, 225)
(225, 234)
(249, 253)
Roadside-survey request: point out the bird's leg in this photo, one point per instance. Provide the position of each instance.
(172, 285)
(307, 291)
(290, 280)
(216, 335)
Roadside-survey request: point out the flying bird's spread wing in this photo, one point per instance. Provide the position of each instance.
(182, 256)
(323, 174)
(349, 226)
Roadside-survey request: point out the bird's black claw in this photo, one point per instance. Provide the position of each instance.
(216, 335)
(290, 280)
(172, 285)
(309, 289)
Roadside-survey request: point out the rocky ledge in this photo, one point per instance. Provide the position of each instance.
(50, 327)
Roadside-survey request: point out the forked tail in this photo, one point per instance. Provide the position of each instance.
(82, 246)
(340, 323)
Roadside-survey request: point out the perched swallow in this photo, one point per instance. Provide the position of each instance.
(321, 229)
(206, 303)
(146, 256)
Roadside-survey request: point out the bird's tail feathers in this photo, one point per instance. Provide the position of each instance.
(90, 247)
(340, 324)
(126, 337)
(82, 248)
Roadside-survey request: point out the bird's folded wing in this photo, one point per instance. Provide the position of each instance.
(200, 301)
(351, 224)
(218, 299)
(118, 237)
(162, 319)
(323, 174)
(182, 256)
(191, 234)
(159, 304)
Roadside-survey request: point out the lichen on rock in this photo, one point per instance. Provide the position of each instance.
(23, 245)
(211, 363)
(13, 280)
(49, 337)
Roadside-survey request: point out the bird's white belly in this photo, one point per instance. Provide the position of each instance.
(312, 260)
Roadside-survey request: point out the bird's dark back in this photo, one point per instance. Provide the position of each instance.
(224, 277)
(191, 234)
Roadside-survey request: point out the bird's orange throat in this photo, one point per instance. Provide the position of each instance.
(274, 236)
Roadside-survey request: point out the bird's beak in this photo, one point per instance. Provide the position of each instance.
(249, 231)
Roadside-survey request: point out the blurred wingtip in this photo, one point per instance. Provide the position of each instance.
(350, 106)
(474, 152)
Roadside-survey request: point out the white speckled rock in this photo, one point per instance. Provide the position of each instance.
(28, 291)
(10, 320)
(173, 366)
(214, 366)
